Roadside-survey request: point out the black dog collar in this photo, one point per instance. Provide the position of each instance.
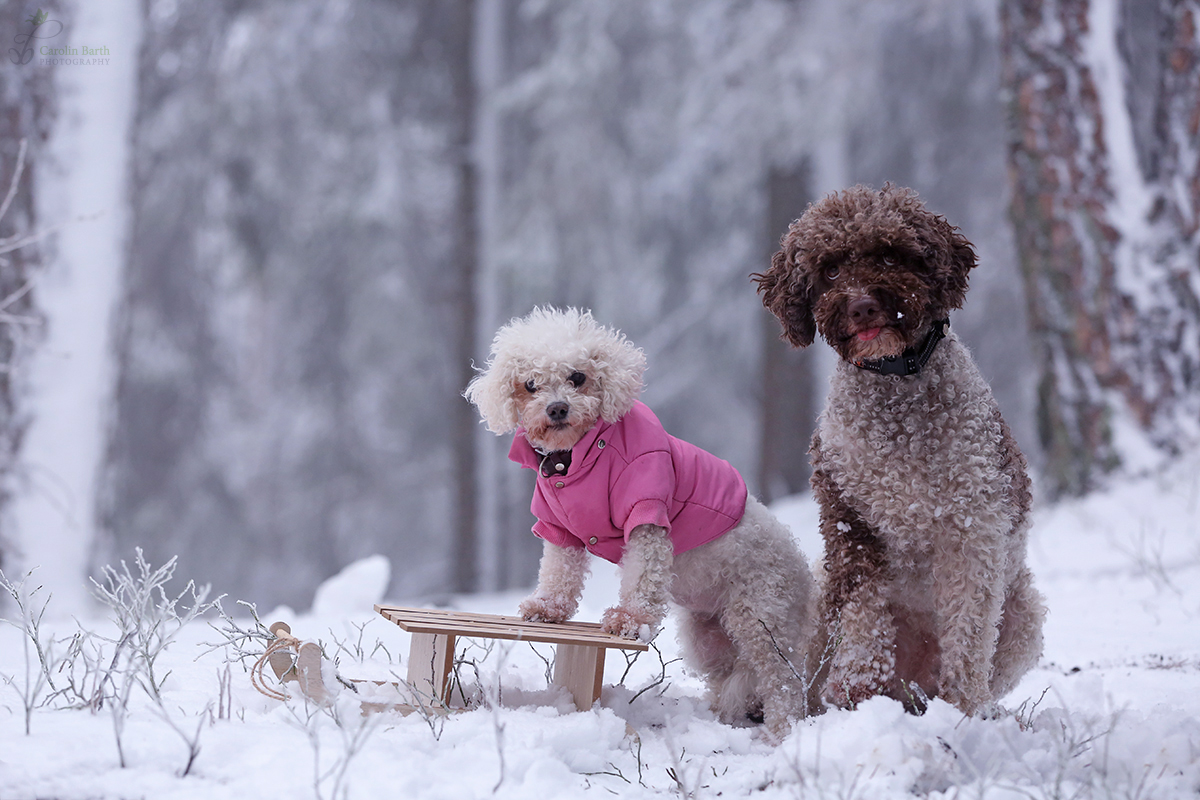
(912, 360)
(556, 463)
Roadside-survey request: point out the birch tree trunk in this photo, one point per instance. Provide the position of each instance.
(1104, 113)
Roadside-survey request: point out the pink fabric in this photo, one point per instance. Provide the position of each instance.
(630, 473)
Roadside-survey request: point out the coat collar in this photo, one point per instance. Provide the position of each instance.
(583, 454)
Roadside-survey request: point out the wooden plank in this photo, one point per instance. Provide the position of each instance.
(308, 673)
(493, 626)
(489, 620)
(430, 659)
(404, 612)
(526, 636)
(580, 670)
(496, 626)
(379, 705)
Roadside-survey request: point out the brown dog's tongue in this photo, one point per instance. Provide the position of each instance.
(868, 334)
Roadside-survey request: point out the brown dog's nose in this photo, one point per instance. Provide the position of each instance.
(863, 309)
(558, 411)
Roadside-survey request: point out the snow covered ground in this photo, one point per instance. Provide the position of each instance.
(1113, 710)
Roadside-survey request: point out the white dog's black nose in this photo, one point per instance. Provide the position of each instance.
(558, 411)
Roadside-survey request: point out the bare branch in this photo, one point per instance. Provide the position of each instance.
(16, 178)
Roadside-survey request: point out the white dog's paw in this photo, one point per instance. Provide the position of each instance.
(538, 608)
(621, 621)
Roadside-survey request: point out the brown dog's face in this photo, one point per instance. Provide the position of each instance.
(556, 408)
(871, 305)
(870, 271)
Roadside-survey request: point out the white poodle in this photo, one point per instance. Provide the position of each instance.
(678, 520)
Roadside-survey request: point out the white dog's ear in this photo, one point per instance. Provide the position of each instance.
(619, 367)
(491, 392)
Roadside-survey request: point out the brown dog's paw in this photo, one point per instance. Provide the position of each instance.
(976, 704)
(844, 695)
(536, 608)
(859, 672)
(622, 622)
(847, 691)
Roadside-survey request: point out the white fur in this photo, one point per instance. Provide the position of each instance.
(744, 599)
(549, 343)
(560, 581)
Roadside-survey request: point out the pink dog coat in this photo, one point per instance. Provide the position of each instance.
(630, 473)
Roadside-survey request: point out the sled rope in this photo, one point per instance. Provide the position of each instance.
(282, 642)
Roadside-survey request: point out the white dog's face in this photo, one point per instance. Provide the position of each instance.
(554, 373)
(556, 408)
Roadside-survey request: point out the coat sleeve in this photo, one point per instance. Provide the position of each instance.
(642, 493)
(553, 534)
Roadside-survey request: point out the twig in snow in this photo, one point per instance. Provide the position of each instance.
(660, 679)
(40, 676)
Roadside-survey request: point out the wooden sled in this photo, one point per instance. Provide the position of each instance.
(578, 661)
(579, 647)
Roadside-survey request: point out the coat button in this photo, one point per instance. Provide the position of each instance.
(600, 444)
(558, 484)
(593, 540)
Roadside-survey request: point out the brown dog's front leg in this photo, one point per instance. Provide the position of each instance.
(968, 614)
(861, 635)
(646, 571)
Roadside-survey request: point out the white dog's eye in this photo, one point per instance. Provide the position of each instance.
(577, 379)
(530, 386)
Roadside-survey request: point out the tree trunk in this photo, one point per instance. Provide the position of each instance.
(1104, 111)
(27, 111)
(789, 405)
(464, 265)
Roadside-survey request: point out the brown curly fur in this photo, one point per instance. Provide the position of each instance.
(855, 231)
(923, 491)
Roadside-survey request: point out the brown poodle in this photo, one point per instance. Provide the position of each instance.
(923, 491)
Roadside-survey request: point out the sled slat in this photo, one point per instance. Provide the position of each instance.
(492, 626)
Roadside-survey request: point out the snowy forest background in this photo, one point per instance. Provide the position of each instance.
(279, 232)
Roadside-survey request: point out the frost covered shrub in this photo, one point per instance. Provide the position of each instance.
(38, 676)
(106, 670)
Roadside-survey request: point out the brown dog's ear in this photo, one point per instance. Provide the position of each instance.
(955, 274)
(949, 258)
(786, 295)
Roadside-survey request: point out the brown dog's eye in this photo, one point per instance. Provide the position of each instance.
(889, 261)
(577, 379)
(530, 386)
(831, 272)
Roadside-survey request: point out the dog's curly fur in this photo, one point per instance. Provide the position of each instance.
(744, 599)
(547, 346)
(923, 491)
